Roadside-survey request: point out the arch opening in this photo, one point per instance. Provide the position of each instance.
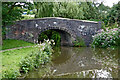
(63, 37)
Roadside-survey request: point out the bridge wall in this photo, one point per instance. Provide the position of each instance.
(28, 30)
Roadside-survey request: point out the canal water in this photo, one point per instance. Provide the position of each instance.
(79, 62)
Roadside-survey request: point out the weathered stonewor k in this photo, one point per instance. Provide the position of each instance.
(69, 29)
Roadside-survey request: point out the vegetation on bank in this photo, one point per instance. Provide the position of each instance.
(41, 55)
(10, 43)
(106, 38)
(23, 60)
(79, 42)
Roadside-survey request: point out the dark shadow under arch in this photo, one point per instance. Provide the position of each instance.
(66, 35)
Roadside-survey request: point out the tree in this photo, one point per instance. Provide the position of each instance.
(85, 8)
(114, 15)
(58, 9)
(43, 9)
(103, 12)
(11, 11)
(68, 10)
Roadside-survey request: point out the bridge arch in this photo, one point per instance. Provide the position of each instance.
(28, 30)
(67, 36)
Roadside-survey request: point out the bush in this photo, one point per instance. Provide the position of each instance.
(41, 55)
(106, 38)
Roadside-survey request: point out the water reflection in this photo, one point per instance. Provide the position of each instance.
(74, 62)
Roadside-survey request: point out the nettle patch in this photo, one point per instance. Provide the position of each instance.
(106, 38)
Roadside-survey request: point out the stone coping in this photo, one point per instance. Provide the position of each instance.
(59, 18)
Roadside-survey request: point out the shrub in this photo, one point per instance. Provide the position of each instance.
(106, 38)
(41, 55)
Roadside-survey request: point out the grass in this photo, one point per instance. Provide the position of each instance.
(10, 43)
(11, 59)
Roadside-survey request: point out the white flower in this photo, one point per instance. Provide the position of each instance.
(48, 40)
(52, 40)
(53, 43)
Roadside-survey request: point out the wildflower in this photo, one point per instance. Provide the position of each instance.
(110, 36)
(107, 29)
(53, 43)
(48, 40)
(101, 30)
(113, 33)
(43, 44)
(106, 39)
(93, 36)
(52, 40)
(116, 29)
(102, 43)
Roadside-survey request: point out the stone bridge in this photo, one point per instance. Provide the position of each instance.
(69, 29)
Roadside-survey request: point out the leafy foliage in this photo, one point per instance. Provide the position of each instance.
(114, 14)
(79, 42)
(106, 38)
(74, 10)
(50, 34)
(68, 10)
(43, 9)
(10, 9)
(41, 55)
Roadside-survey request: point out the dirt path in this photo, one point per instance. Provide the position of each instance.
(15, 48)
